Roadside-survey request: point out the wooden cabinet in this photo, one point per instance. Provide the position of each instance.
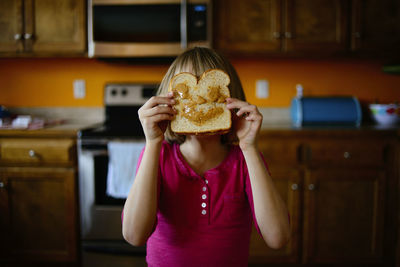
(343, 215)
(340, 189)
(271, 26)
(375, 26)
(38, 200)
(42, 27)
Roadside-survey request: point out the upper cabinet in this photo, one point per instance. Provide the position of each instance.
(306, 27)
(375, 26)
(42, 27)
(270, 26)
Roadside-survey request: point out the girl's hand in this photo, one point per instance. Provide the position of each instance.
(246, 122)
(154, 116)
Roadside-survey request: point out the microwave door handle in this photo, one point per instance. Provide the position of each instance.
(184, 39)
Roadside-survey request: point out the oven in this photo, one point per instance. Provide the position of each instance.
(102, 243)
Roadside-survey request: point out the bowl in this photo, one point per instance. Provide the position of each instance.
(385, 114)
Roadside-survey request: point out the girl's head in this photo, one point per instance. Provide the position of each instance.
(197, 61)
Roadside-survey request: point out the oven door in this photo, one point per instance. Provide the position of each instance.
(101, 227)
(161, 28)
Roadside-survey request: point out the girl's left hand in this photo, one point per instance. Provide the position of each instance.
(246, 122)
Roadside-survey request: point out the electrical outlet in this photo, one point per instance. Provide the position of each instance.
(262, 89)
(79, 89)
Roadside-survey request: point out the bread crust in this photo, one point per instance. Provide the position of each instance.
(216, 130)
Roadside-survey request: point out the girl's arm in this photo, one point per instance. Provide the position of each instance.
(140, 208)
(270, 210)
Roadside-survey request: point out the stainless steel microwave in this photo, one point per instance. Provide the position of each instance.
(147, 28)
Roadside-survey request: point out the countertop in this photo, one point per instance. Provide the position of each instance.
(62, 130)
(71, 130)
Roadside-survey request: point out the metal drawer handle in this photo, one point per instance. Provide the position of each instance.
(311, 187)
(295, 187)
(32, 153)
(346, 155)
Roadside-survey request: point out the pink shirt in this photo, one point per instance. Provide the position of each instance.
(201, 221)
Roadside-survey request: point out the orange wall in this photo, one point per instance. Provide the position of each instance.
(48, 82)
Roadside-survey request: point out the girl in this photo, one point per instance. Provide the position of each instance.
(194, 197)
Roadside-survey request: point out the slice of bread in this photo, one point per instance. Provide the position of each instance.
(200, 104)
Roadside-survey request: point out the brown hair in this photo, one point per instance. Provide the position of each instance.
(198, 60)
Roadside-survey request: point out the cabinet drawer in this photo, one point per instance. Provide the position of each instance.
(37, 151)
(347, 152)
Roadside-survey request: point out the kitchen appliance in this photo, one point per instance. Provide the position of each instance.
(101, 234)
(147, 28)
(325, 111)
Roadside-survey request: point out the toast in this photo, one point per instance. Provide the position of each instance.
(201, 104)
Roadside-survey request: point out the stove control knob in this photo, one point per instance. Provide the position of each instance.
(114, 92)
(124, 92)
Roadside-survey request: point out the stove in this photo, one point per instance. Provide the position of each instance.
(101, 232)
(122, 102)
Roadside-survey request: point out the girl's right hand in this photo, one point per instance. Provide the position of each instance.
(154, 116)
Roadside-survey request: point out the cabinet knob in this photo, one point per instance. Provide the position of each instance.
(288, 35)
(32, 153)
(276, 35)
(346, 155)
(2, 185)
(27, 36)
(311, 187)
(295, 187)
(17, 37)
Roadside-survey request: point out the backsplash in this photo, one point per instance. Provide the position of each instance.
(36, 82)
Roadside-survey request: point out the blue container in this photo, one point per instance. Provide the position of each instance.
(325, 111)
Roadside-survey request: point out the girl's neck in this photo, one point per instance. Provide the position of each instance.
(203, 152)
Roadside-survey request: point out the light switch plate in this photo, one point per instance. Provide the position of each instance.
(79, 89)
(262, 89)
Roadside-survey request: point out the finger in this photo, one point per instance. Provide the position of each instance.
(250, 109)
(235, 103)
(159, 100)
(158, 110)
(161, 117)
(254, 117)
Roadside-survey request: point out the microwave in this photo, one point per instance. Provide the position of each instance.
(147, 28)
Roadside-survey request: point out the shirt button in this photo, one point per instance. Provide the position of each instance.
(204, 196)
(203, 205)
(204, 188)
(206, 181)
(204, 212)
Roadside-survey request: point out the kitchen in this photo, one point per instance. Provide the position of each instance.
(38, 79)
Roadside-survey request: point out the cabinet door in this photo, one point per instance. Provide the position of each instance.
(375, 25)
(343, 215)
(55, 26)
(316, 25)
(42, 221)
(288, 183)
(11, 25)
(248, 27)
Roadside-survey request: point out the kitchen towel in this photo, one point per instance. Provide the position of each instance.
(123, 158)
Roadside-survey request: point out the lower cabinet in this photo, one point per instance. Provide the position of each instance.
(343, 215)
(38, 202)
(38, 208)
(341, 195)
